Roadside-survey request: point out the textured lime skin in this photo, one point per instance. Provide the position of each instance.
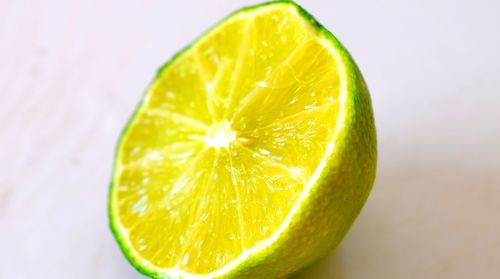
(331, 205)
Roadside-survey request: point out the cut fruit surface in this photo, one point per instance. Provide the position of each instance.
(227, 143)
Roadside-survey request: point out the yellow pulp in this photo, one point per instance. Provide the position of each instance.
(225, 141)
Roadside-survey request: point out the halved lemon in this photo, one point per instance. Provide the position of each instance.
(250, 155)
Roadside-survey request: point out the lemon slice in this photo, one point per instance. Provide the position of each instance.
(250, 155)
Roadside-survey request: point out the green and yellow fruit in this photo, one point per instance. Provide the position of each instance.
(250, 155)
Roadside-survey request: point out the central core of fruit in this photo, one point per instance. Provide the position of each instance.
(221, 135)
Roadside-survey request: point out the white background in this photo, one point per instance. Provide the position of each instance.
(71, 73)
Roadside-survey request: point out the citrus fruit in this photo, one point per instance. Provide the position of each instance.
(250, 155)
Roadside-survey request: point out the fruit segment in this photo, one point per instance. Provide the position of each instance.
(225, 142)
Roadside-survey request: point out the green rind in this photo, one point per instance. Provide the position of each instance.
(291, 252)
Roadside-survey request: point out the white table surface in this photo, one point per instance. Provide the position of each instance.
(71, 72)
